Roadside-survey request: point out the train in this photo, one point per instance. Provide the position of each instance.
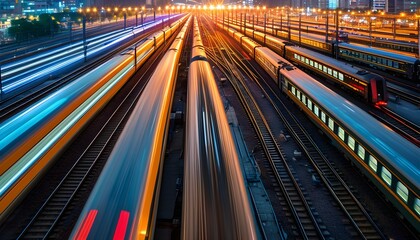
(34, 137)
(216, 204)
(370, 86)
(394, 63)
(123, 202)
(387, 159)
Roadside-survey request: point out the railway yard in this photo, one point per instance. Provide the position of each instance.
(308, 163)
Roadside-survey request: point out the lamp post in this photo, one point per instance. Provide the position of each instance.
(115, 14)
(418, 34)
(84, 33)
(142, 15)
(300, 27)
(288, 24)
(326, 27)
(337, 22)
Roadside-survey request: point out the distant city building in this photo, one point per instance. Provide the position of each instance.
(359, 4)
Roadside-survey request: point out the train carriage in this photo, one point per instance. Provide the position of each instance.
(392, 62)
(370, 86)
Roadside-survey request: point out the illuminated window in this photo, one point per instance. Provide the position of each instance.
(309, 104)
(373, 163)
(331, 124)
(335, 74)
(323, 118)
(320, 67)
(351, 143)
(316, 110)
(402, 191)
(298, 94)
(341, 76)
(329, 71)
(361, 152)
(325, 69)
(311, 63)
(386, 176)
(294, 90)
(341, 133)
(417, 206)
(304, 99)
(315, 64)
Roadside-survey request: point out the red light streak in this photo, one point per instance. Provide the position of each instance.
(87, 225)
(121, 225)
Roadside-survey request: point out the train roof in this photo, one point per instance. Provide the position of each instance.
(383, 53)
(401, 154)
(273, 57)
(340, 65)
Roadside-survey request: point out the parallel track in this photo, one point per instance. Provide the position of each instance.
(359, 218)
(13, 105)
(80, 177)
(304, 220)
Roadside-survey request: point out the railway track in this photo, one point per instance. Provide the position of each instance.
(50, 220)
(404, 127)
(13, 104)
(304, 220)
(362, 224)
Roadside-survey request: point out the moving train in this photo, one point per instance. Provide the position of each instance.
(393, 62)
(371, 87)
(123, 203)
(215, 200)
(33, 138)
(383, 156)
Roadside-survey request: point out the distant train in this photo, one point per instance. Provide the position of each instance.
(371, 87)
(123, 203)
(33, 138)
(387, 159)
(392, 62)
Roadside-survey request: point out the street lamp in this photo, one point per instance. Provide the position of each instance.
(84, 33)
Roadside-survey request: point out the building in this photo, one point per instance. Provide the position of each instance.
(10, 7)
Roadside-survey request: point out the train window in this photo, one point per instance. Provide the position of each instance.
(320, 67)
(369, 57)
(396, 64)
(335, 74)
(341, 76)
(351, 143)
(309, 104)
(373, 59)
(373, 163)
(316, 110)
(417, 206)
(294, 90)
(311, 63)
(361, 152)
(306, 60)
(389, 63)
(331, 124)
(316, 64)
(304, 99)
(298, 94)
(386, 176)
(329, 71)
(323, 118)
(341, 133)
(402, 191)
(324, 68)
